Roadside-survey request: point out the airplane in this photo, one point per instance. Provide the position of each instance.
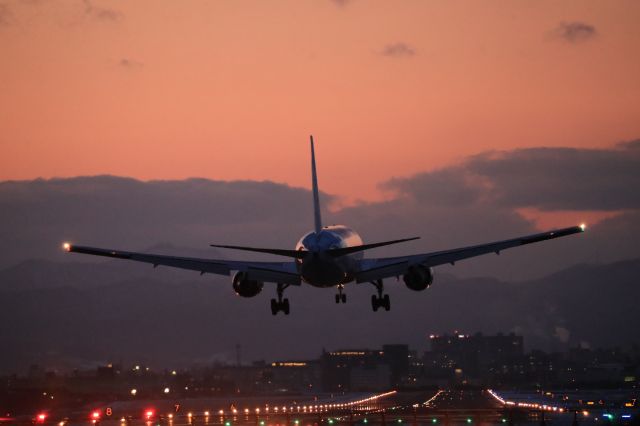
(327, 257)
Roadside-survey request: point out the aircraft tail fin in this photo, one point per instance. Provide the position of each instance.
(316, 194)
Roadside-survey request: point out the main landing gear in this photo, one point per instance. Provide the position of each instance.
(341, 297)
(280, 304)
(381, 300)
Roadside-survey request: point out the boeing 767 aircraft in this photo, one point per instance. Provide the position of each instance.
(327, 257)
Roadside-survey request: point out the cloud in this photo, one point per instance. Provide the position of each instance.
(562, 334)
(450, 186)
(575, 32)
(472, 202)
(130, 63)
(5, 14)
(398, 50)
(35, 216)
(548, 179)
(102, 13)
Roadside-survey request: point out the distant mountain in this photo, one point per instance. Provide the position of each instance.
(39, 274)
(64, 315)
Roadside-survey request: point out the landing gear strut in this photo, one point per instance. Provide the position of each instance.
(280, 304)
(341, 297)
(381, 300)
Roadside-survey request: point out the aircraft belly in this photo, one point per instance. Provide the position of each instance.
(324, 272)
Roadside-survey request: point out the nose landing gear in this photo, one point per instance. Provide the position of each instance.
(280, 304)
(341, 297)
(381, 300)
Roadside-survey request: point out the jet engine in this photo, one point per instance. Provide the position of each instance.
(418, 277)
(245, 287)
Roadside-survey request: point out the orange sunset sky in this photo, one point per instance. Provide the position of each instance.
(232, 89)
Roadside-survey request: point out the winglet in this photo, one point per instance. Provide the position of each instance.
(316, 196)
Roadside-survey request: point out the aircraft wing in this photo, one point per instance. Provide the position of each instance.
(278, 272)
(373, 269)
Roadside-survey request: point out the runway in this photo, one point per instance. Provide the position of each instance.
(426, 408)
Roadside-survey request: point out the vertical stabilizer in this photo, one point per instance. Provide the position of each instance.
(316, 195)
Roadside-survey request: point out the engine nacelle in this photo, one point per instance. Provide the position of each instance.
(418, 277)
(245, 287)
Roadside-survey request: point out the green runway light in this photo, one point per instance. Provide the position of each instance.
(227, 423)
(434, 420)
(261, 422)
(365, 421)
(504, 420)
(330, 421)
(399, 420)
(297, 421)
(608, 416)
(468, 419)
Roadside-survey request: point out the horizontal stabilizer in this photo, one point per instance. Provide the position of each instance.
(348, 250)
(301, 254)
(279, 252)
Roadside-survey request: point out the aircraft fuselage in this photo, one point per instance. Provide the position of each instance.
(318, 268)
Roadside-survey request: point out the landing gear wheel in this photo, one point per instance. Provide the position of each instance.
(341, 297)
(381, 300)
(280, 304)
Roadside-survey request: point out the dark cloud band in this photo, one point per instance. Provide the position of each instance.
(544, 178)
